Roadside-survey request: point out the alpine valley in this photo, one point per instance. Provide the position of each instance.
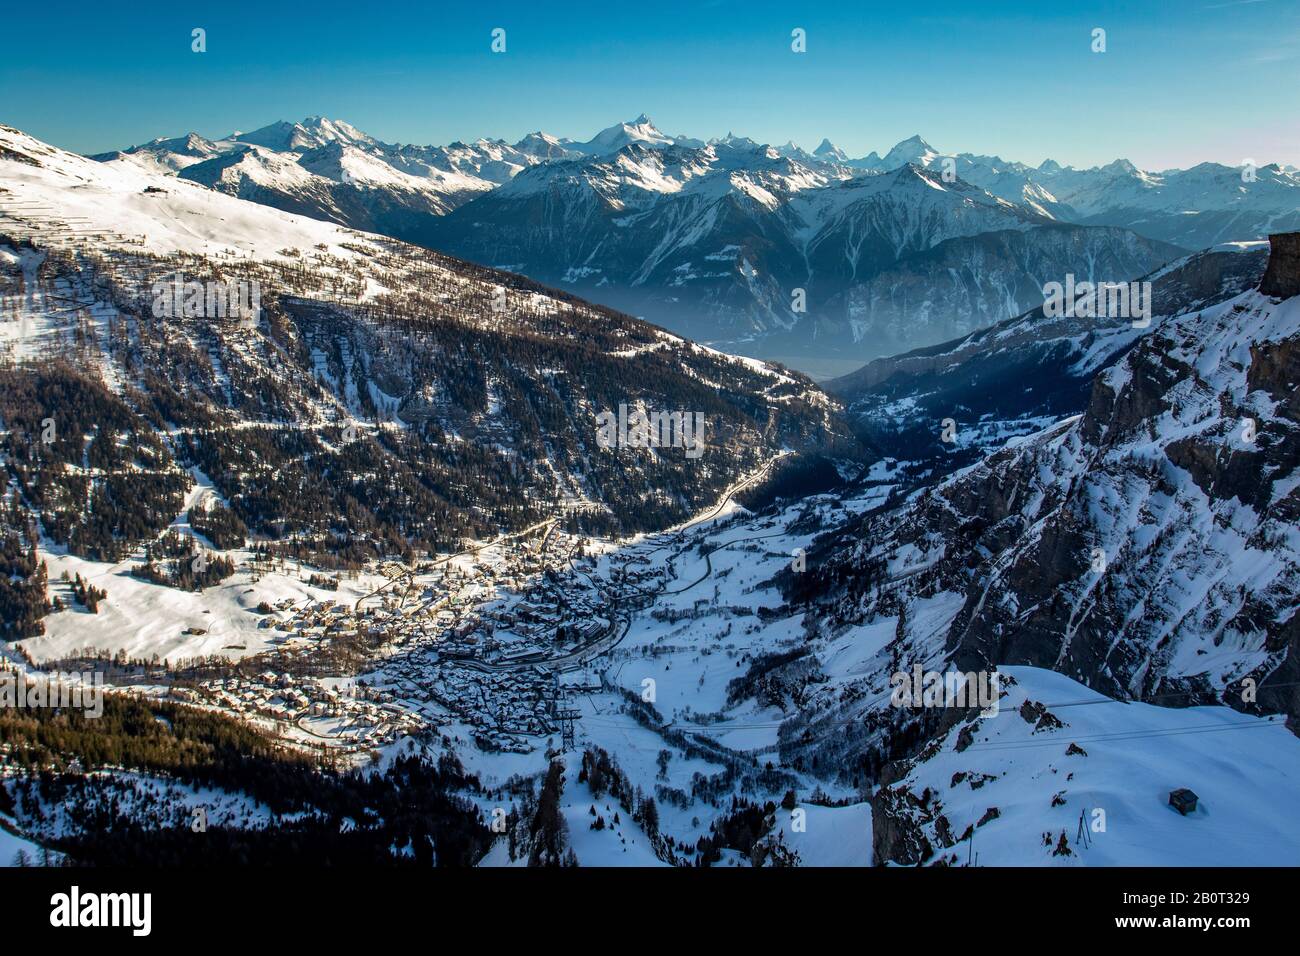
(307, 471)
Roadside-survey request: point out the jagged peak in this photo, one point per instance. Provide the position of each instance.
(914, 140)
(1121, 166)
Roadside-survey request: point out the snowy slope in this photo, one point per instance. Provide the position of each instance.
(1113, 763)
(11, 846)
(1147, 548)
(69, 199)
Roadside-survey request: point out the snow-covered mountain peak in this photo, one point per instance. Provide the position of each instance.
(314, 131)
(911, 150)
(736, 142)
(543, 146)
(829, 151)
(191, 143)
(1120, 167)
(639, 130)
(335, 129)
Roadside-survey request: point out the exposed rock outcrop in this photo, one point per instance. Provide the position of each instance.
(1282, 278)
(1146, 549)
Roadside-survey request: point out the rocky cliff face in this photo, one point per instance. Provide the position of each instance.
(1147, 548)
(1283, 276)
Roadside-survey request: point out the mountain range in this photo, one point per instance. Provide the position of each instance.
(815, 258)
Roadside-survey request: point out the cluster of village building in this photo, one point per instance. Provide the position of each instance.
(355, 714)
(479, 643)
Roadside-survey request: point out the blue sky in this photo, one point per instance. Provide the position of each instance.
(1181, 81)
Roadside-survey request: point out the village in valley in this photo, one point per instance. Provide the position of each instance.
(492, 646)
(492, 639)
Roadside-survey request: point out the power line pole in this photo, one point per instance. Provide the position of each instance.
(566, 715)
